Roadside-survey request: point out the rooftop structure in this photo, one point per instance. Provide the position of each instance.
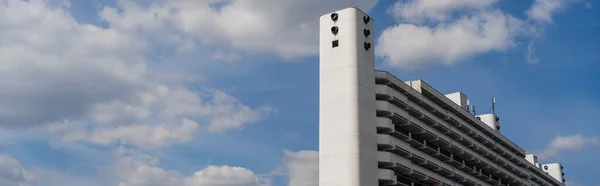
(376, 129)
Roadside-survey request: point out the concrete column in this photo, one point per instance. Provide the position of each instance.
(347, 138)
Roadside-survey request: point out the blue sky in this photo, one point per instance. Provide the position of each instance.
(176, 93)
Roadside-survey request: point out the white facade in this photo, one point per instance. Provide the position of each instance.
(555, 170)
(460, 99)
(375, 129)
(531, 159)
(491, 120)
(347, 137)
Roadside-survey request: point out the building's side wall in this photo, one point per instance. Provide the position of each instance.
(347, 136)
(554, 170)
(427, 127)
(459, 98)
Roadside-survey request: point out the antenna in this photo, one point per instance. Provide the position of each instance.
(494, 105)
(469, 106)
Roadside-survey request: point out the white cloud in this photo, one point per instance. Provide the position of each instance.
(531, 58)
(53, 68)
(226, 113)
(569, 143)
(301, 168)
(82, 82)
(132, 168)
(11, 172)
(287, 28)
(75, 82)
(448, 32)
(418, 11)
(48, 177)
(541, 11)
(174, 119)
(539, 14)
(146, 136)
(115, 112)
(412, 46)
(226, 176)
(136, 169)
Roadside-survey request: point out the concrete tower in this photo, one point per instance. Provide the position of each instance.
(555, 170)
(490, 120)
(347, 128)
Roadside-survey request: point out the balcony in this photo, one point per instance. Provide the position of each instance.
(464, 139)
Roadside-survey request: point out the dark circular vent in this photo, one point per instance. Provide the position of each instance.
(367, 32)
(334, 16)
(367, 46)
(366, 19)
(334, 30)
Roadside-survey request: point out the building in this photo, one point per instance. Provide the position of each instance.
(376, 129)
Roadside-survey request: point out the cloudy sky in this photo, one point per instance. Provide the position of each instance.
(225, 92)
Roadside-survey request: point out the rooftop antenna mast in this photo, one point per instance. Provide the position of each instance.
(468, 106)
(494, 105)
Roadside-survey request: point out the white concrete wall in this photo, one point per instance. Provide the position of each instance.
(554, 170)
(347, 132)
(459, 98)
(489, 120)
(531, 158)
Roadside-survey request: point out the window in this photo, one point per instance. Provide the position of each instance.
(335, 43)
